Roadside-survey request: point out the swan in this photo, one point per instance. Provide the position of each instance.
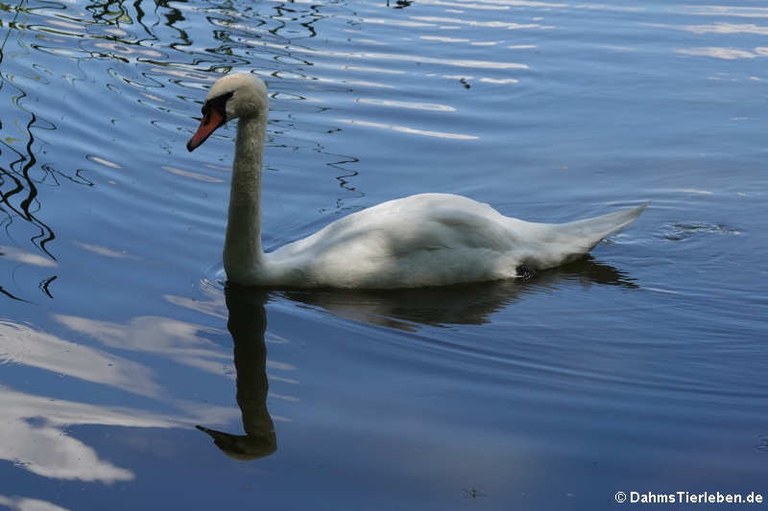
(429, 239)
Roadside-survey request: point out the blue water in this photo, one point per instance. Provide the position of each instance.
(640, 368)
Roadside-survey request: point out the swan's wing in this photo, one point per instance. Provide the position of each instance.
(402, 226)
(434, 239)
(427, 239)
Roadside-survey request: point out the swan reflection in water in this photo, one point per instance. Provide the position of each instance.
(402, 309)
(247, 324)
(466, 304)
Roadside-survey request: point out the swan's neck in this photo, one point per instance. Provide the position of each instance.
(242, 248)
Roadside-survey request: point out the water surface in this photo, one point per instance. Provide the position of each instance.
(639, 368)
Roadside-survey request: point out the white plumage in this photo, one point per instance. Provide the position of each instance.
(422, 240)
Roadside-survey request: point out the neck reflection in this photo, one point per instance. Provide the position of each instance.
(247, 324)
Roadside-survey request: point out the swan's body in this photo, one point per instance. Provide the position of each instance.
(421, 240)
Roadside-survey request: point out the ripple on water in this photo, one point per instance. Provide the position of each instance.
(514, 102)
(682, 231)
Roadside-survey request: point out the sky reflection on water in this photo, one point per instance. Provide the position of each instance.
(113, 330)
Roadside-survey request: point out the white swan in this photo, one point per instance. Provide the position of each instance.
(422, 240)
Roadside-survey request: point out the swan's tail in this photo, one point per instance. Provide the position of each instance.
(571, 240)
(593, 230)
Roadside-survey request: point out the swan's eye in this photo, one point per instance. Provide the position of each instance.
(218, 103)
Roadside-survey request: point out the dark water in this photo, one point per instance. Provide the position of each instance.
(639, 369)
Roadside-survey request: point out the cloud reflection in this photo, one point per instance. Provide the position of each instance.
(726, 10)
(36, 425)
(409, 130)
(724, 53)
(727, 28)
(398, 57)
(27, 504)
(24, 257)
(24, 345)
(181, 341)
(36, 428)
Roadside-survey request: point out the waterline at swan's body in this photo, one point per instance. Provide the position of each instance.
(421, 240)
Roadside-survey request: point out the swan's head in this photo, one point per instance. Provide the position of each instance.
(233, 96)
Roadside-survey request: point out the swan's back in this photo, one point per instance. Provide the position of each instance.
(430, 240)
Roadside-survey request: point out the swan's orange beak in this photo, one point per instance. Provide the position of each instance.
(212, 119)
